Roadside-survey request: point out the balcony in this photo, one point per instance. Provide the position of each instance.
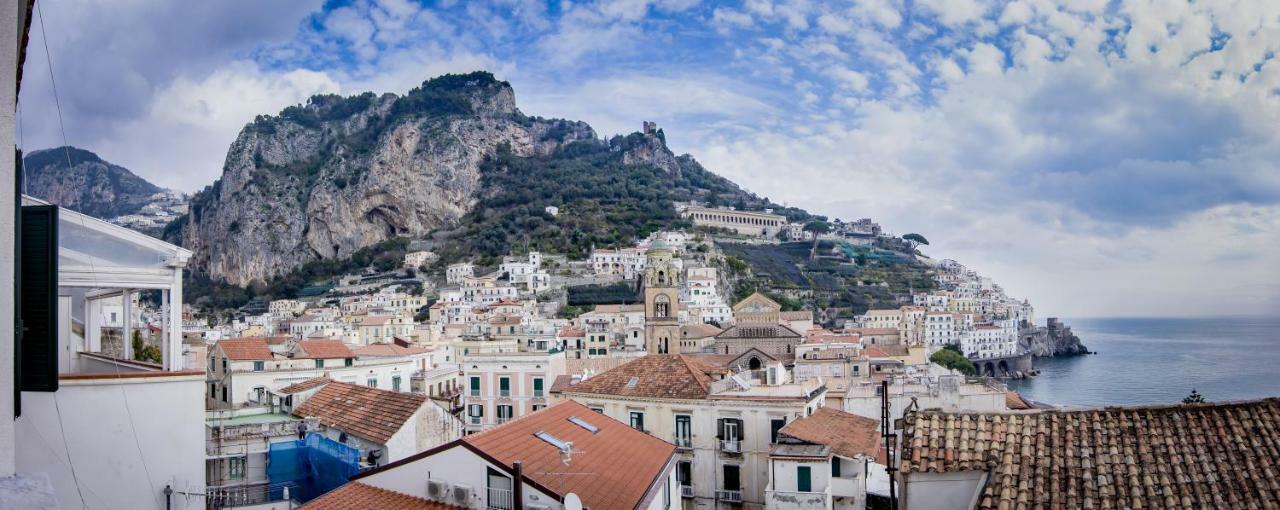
(731, 446)
(729, 496)
(683, 442)
(686, 491)
(796, 500)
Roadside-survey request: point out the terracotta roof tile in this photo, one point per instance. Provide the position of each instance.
(699, 330)
(797, 315)
(387, 349)
(359, 496)
(848, 435)
(656, 376)
(301, 386)
(623, 462)
(323, 349)
(1183, 457)
(366, 412)
(245, 349)
(1014, 401)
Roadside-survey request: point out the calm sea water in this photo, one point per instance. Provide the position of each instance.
(1148, 361)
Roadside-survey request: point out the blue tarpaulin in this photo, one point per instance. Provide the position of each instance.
(314, 466)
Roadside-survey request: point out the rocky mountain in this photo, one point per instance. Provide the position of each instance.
(89, 184)
(453, 159)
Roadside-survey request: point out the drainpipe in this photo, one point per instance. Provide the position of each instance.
(517, 489)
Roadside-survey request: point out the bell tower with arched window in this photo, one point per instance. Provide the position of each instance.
(661, 301)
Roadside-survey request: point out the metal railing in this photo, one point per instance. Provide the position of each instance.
(729, 496)
(686, 491)
(499, 499)
(684, 442)
(241, 495)
(731, 445)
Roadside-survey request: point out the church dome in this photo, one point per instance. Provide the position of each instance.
(659, 245)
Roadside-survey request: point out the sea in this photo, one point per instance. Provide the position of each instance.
(1159, 361)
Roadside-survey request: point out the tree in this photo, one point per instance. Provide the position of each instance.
(953, 360)
(915, 240)
(144, 352)
(816, 228)
(1193, 398)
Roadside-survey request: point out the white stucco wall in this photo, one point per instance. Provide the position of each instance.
(456, 465)
(942, 491)
(9, 27)
(120, 456)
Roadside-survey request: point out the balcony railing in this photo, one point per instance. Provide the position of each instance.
(684, 442)
(729, 496)
(731, 445)
(499, 499)
(686, 491)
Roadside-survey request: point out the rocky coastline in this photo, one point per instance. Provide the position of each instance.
(1052, 340)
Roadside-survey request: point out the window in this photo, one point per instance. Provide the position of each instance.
(504, 413)
(224, 364)
(348, 362)
(637, 420)
(598, 409)
(372, 382)
(258, 366)
(536, 407)
(213, 390)
(224, 394)
(395, 382)
(775, 425)
(319, 363)
(730, 429)
(475, 386)
(666, 494)
(731, 480)
(235, 467)
(835, 466)
(684, 430)
(684, 472)
(504, 386)
(537, 387)
(804, 480)
(475, 412)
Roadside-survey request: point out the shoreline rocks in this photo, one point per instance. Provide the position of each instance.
(1054, 339)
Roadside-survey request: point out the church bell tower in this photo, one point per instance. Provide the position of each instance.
(661, 301)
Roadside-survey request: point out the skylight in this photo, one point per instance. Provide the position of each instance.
(633, 382)
(583, 423)
(552, 440)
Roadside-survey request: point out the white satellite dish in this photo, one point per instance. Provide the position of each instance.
(572, 502)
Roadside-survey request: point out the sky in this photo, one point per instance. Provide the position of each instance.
(1101, 158)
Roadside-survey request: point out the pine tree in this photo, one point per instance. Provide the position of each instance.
(1193, 398)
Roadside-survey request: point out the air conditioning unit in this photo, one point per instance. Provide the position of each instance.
(462, 494)
(438, 490)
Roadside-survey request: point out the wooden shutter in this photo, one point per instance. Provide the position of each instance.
(38, 298)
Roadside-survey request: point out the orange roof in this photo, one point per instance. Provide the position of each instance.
(848, 435)
(323, 349)
(655, 375)
(366, 412)
(245, 348)
(359, 496)
(386, 349)
(624, 462)
(884, 351)
(572, 332)
(301, 386)
(1013, 400)
(375, 320)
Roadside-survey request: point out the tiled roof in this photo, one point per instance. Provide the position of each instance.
(885, 351)
(375, 320)
(848, 435)
(572, 332)
(366, 412)
(304, 385)
(622, 462)
(699, 330)
(636, 307)
(562, 382)
(243, 349)
(359, 496)
(1198, 456)
(387, 349)
(1014, 401)
(656, 376)
(323, 349)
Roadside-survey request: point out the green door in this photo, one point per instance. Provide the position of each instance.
(803, 481)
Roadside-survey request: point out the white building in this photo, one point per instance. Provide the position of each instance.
(625, 262)
(416, 259)
(393, 425)
(562, 457)
(456, 272)
(501, 386)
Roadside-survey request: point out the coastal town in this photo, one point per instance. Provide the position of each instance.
(429, 299)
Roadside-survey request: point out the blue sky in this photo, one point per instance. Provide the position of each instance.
(1098, 157)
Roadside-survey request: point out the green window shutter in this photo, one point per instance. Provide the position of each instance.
(38, 299)
(835, 466)
(475, 384)
(804, 482)
(504, 384)
(537, 385)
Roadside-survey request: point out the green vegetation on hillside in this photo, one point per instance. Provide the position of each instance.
(950, 358)
(612, 294)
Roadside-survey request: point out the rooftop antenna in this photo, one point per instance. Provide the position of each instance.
(566, 457)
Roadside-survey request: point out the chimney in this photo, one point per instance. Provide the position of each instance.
(517, 488)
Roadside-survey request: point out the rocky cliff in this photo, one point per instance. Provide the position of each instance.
(89, 184)
(322, 180)
(1055, 339)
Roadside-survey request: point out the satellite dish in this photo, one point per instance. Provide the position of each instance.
(572, 502)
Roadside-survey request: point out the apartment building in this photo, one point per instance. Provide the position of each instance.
(501, 386)
(723, 413)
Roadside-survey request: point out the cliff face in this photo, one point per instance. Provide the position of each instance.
(90, 185)
(1054, 340)
(326, 179)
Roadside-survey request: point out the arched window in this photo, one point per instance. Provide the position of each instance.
(661, 306)
(754, 363)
